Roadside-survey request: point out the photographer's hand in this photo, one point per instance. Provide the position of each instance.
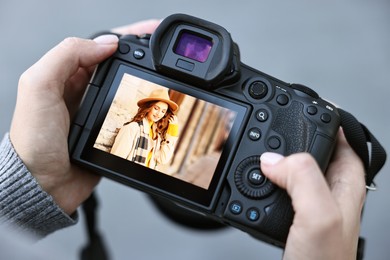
(327, 209)
(138, 28)
(49, 94)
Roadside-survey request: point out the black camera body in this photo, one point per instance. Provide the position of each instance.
(229, 115)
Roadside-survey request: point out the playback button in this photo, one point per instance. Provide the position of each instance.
(235, 207)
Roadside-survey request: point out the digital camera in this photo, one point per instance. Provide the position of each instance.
(223, 116)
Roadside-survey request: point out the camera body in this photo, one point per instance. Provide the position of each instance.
(229, 114)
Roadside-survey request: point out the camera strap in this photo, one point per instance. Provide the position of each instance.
(366, 146)
(95, 248)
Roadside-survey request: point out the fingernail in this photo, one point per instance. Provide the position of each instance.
(271, 158)
(107, 39)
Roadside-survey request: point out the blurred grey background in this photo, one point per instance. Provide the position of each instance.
(339, 48)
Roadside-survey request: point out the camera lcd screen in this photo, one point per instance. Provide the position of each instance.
(193, 46)
(185, 156)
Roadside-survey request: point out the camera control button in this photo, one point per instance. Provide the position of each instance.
(258, 90)
(124, 48)
(262, 115)
(253, 214)
(326, 118)
(250, 181)
(138, 54)
(235, 207)
(282, 99)
(255, 177)
(254, 134)
(274, 142)
(312, 110)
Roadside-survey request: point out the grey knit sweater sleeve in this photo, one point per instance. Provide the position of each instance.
(23, 203)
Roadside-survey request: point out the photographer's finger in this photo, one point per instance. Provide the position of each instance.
(64, 60)
(147, 26)
(303, 180)
(75, 89)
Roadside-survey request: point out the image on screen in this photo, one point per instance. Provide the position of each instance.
(165, 130)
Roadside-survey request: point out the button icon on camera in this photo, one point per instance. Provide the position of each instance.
(254, 134)
(235, 207)
(253, 214)
(262, 115)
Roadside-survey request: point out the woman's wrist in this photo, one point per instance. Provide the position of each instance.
(23, 202)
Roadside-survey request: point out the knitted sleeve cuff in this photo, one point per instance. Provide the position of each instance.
(23, 203)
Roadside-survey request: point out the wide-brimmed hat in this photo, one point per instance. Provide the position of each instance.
(159, 95)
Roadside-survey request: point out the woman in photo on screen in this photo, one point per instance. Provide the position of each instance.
(149, 138)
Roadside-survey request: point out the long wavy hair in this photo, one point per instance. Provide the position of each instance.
(161, 125)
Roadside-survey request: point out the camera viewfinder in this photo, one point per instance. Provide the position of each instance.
(193, 46)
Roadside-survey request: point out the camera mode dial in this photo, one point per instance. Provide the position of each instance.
(250, 181)
(306, 90)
